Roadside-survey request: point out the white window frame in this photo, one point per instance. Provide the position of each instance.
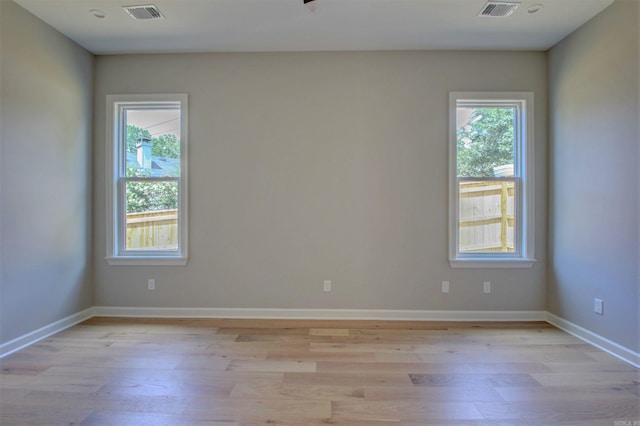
(524, 255)
(116, 143)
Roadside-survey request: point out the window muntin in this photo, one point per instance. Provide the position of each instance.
(490, 180)
(147, 189)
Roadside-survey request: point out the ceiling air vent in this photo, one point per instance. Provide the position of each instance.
(144, 12)
(498, 8)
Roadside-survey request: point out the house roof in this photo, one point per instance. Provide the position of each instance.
(160, 166)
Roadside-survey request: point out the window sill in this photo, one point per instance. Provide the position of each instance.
(146, 261)
(502, 263)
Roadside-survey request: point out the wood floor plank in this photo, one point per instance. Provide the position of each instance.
(321, 356)
(561, 411)
(329, 332)
(518, 422)
(204, 362)
(612, 366)
(587, 379)
(398, 357)
(600, 356)
(472, 354)
(144, 362)
(123, 418)
(376, 367)
(72, 383)
(355, 422)
(354, 379)
(272, 366)
(566, 393)
(410, 410)
(23, 415)
(124, 374)
(433, 367)
(100, 401)
(360, 347)
(435, 394)
(266, 410)
(239, 351)
(165, 389)
(460, 380)
(189, 383)
(12, 396)
(308, 392)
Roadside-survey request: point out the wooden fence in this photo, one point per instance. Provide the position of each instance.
(486, 216)
(153, 230)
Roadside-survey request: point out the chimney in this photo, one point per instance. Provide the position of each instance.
(144, 153)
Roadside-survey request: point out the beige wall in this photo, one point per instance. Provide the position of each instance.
(314, 166)
(45, 221)
(594, 190)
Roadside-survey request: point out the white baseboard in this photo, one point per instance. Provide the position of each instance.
(44, 332)
(314, 314)
(596, 340)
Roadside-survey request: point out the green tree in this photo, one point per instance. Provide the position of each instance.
(151, 196)
(167, 146)
(485, 141)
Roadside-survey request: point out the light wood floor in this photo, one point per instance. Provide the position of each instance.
(250, 372)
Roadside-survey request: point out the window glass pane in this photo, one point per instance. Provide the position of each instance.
(153, 142)
(487, 216)
(485, 141)
(151, 215)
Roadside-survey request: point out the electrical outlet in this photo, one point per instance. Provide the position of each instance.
(326, 285)
(598, 306)
(445, 286)
(486, 287)
(151, 284)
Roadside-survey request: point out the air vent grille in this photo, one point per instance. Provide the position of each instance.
(144, 12)
(498, 9)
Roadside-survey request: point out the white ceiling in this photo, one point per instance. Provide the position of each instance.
(287, 25)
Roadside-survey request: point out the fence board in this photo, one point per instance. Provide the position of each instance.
(153, 230)
(486, 216)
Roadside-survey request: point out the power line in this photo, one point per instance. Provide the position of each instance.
(162, 122)
(164, 131)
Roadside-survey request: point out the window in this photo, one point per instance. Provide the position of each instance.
(491, 180)
(147, 179)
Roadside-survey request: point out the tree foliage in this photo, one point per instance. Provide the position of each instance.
(167, 146)
(485, 141)
(151, 196)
